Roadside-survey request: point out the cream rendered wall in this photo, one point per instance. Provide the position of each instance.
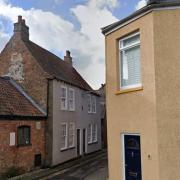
(133, 112)
(167, 67)
(80, 117)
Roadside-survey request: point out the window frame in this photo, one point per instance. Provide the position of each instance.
(23, 134)
(66, 98)
(73, 99)
(73, 135)
(121, 50)
(66, 136)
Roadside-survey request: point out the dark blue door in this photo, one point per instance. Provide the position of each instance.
(132, 157)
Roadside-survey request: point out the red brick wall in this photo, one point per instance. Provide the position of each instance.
(35, 82)
(22, 157)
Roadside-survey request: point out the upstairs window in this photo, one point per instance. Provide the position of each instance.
(24, 135)
(130, 65)
(63, 98)
(71, 99)
(64, 136)
(89, 104)
(93, 99)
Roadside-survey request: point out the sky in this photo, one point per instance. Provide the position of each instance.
(75, 25)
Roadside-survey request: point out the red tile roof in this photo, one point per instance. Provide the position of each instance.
(56, 67)
(14, 103)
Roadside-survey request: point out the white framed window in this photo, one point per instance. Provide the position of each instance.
(94, 133)
(63, 98)
(89, 133)
(71, 134)
(89, 104)
(93, 99)
(64, 137)
(130, 65)
(71, 99)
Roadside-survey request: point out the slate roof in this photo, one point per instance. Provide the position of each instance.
(13, 103)
(56, 67)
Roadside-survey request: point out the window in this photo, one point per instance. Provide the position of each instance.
(71, 100)
(63, 98)
(89, 104)
(130, 68)
(71, 134)
(94, 133)
(24, 135)
(90, 133)
(63, 136)
(93, 104)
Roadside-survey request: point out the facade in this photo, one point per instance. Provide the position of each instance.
(22, 129)
(142, 61)
(71, 130)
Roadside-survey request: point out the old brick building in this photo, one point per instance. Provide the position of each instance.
(73, 125)
(22, 128)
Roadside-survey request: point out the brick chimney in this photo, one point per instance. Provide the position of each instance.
(68, 58)
(21, 29)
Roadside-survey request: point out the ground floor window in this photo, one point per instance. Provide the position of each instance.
(24, 134)
(94, 133)
(71, 134)
(64, 136)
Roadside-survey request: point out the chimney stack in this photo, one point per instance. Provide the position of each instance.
(68, 58)
(21, 29)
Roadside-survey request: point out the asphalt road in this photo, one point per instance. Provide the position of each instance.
(92, 170)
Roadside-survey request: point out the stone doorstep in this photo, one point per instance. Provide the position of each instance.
(36, 174)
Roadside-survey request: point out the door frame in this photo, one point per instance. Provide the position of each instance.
(123, 151)
(85, 138)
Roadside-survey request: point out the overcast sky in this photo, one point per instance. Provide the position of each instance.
(60, 25)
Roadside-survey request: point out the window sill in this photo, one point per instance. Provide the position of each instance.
(91, 143)
(129, 90)
(68, 148)
(24, 145)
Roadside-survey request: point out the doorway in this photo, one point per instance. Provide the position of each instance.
(132, 157)
(84, 141)
(78, 142)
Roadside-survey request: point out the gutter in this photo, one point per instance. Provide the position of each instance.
(138, 14)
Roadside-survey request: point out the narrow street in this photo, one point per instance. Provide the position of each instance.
(95, 169)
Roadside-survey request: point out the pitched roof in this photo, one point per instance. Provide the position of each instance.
(14, 103)
(56, 67)
(151, 5)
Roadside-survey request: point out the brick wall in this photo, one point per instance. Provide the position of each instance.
(23, 156)
(30, 76)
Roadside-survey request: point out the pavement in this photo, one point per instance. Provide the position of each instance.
(89, 167)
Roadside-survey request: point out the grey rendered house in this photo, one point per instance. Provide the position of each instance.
(73, 127)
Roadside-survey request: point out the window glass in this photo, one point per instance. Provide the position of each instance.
(89, 104)
(89, 133)
(63, 98)
(71, 134)
(63, 136)
(71, 100)
(93, 104)
(24, 135)
(130, 66)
